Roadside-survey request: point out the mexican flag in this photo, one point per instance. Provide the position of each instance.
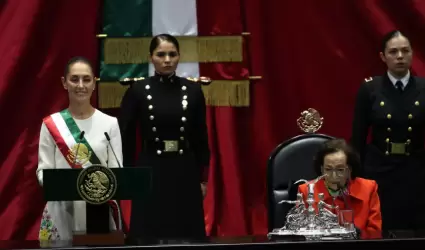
(212, 40)
(128, 27)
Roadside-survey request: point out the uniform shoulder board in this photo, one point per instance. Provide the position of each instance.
(193, 79)
(130, 81)
(368, 79)
(202, 80)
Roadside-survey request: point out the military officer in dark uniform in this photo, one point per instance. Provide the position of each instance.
(170, 114)
(393, 107)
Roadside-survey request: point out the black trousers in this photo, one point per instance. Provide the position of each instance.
(174, 208)
(401, 189)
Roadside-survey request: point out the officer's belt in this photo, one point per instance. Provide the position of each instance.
(169, 146)
(398, 148)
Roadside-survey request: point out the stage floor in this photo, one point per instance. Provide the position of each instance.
(235, 243)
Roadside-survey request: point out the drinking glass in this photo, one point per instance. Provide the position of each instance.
(346, 219)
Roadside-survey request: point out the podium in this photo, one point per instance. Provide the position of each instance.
(131, 183)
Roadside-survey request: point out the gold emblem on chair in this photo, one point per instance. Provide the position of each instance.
(310, 121)
(96, 184)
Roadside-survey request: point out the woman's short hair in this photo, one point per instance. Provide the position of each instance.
(334, 146)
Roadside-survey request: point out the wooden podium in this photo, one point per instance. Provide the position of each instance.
(131, 183)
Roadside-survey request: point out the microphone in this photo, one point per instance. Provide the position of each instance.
(80, 138)
(119, 165)
(343, 193)
(112, 148)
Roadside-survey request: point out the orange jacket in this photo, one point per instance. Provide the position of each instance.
(363, 200)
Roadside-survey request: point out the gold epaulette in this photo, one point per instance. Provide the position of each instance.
(368, 79)
(132, 79)
(202, 80)
(129, 81)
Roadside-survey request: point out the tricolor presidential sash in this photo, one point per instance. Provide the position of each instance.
(66, 133)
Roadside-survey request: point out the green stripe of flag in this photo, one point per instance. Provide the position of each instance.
(129, 18)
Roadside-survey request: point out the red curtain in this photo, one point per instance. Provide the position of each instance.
(310, 54)
(38, 37)
(233, 200)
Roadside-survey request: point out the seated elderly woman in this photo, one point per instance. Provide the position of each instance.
(341, 186)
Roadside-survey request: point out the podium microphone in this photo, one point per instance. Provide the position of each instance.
(80, 138)
(117, 202)
(112, 148)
